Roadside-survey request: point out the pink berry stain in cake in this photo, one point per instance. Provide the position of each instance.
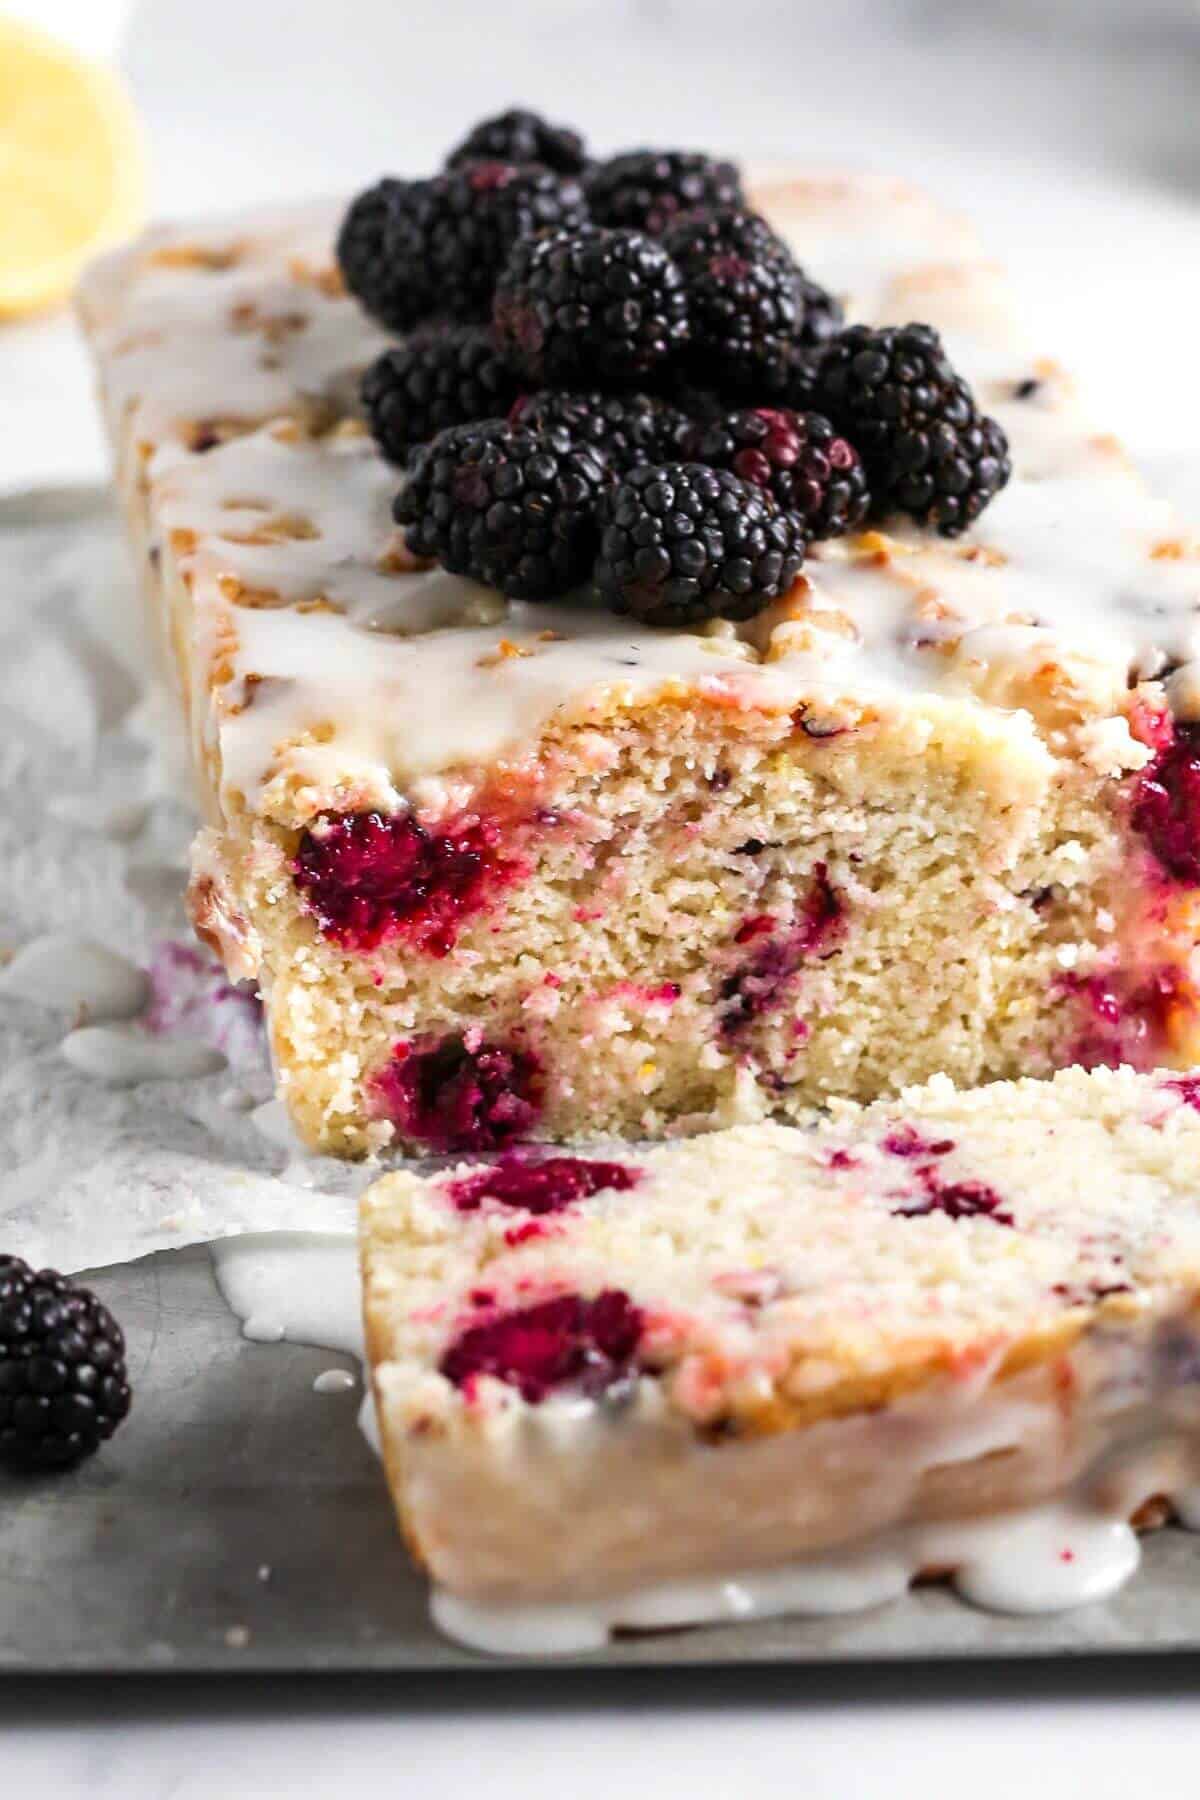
(368, 878)
(1188, 1089)
(1166, 795)
(566, 1342)
(451, 1095)
(761, 983)
(956, 1199)
(906, 1140)
(1126, 1018)
(548, 1186)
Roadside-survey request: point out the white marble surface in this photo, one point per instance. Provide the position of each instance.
(1091, 1732)
(1072, 130)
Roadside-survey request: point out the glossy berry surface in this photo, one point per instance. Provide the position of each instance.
(64, 1387)
(682, 543)
(368, 878)
(741, 287)
(414, 250)
(520, 136)
(927, 449)
(648, 189)
(590, 307)
(513, 508)
(434, 379)
(798, 458)
(451, 1096)
(627, 430)
(567, 1342)
(541, 1187)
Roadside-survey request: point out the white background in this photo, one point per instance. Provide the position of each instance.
(1073, 131)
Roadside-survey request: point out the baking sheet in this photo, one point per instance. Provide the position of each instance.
(239, 1521)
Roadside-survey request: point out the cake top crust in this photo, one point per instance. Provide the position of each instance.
(332, 671)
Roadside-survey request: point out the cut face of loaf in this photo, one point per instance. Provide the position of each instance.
(507, 870)
(596, 1377)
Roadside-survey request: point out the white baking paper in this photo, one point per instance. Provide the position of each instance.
(94, 838)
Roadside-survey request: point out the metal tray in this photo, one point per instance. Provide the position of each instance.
(239, 1521)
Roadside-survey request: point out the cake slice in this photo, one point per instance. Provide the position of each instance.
(786, 1370)
(506, 869)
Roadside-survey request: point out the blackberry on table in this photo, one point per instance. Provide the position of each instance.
(927, 449)
(646, 190)
(628, 430)
(740, 283)
(797, 457)
(63, 1382)
(516, 509)
(518, 136)
(576, 308)
(436, 378)
(682, 542)
(410, 250)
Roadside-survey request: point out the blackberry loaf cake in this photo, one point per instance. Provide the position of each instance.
(704, 723)
(778, 1370)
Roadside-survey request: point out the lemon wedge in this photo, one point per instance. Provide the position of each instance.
(71, 169)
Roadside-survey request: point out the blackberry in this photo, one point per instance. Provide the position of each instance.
(797, 457)
(63, 1383)
(628, 430)
(574, 308)
(522, 137)
(516, 509)
(818, 312)
(740, 283)
(413, 249)
(789, 380)
(646, 190)
(927, 449)
(388, 209)
(681, 543)
(436, 378)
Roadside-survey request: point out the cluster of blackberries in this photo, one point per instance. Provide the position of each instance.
(620, 376)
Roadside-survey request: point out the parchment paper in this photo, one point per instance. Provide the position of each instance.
(94, 835)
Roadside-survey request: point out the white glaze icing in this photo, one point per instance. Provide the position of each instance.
(1038, 1560)
(355, 700)
(121, 1057)
(302, 1286)
(76, 976)
(192, 340)
(334, 1381)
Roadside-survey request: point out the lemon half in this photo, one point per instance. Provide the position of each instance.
(71, 169)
